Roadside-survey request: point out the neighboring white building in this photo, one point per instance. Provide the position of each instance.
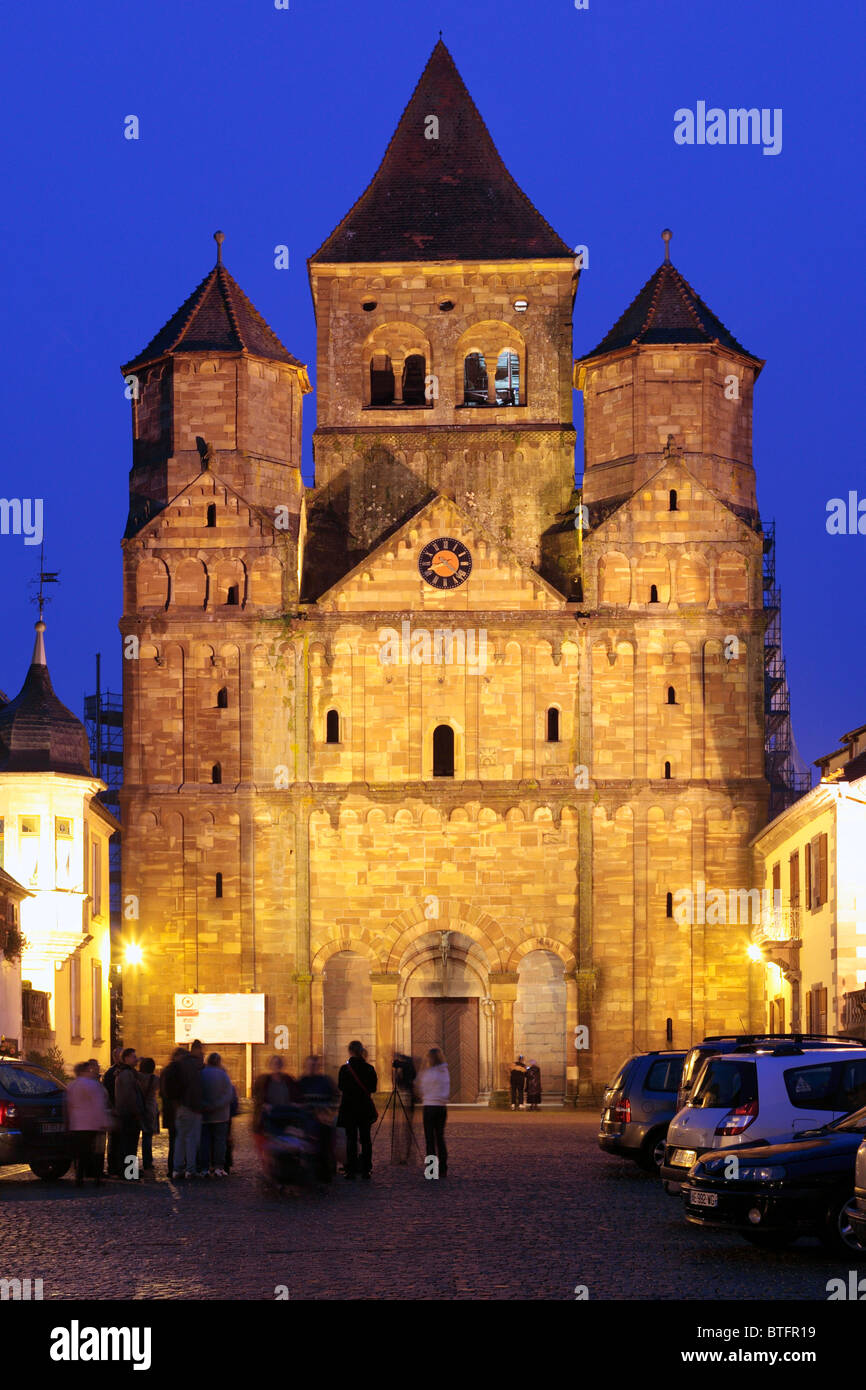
(12, 894)
(813, 858)
(55, 843)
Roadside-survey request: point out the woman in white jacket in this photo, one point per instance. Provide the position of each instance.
(434, 1085)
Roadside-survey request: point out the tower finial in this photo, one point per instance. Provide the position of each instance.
(219, 238)
(44, 577)
(666, 238)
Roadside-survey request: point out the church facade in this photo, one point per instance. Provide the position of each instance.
(426, 753)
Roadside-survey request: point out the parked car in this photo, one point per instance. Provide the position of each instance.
(638, 1106)
(774, 1193)
(32, 1129)
(717, 1043)
(763, 1093)
(858, 1210)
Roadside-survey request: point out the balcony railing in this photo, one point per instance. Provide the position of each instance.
(34, 1008)
(854, 1011)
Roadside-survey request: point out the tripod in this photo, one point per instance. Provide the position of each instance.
(400, 1127)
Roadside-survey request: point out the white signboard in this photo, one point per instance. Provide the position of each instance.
(219, 1018)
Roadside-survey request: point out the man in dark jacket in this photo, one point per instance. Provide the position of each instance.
(170, 1086)
(357, 1082)
(108, 1080)
(188, 1110)
(129, 1108)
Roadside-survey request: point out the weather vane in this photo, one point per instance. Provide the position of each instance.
(45, 577)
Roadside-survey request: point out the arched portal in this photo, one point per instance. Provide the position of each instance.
(540, 1018)
(348, 1009)
(443, 1003)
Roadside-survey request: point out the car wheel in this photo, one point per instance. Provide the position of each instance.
(50, 1169)
(838, 1231)
(652, 1153)
(768, 1240)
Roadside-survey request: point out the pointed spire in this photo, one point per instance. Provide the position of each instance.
(667, 311)
(39, 646)
(217, 317)
(442, 191)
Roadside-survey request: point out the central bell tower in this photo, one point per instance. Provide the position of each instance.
(443, 306)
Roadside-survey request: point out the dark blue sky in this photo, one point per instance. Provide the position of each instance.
(269, 124)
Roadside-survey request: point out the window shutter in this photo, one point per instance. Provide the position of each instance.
(794, 878)
(808, 877)
(822, 867)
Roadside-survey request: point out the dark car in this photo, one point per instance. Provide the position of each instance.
(858, 1211)
(638, 1106)
(32, 1128)
(776, 1192)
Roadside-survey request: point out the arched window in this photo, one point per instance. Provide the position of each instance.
(232, 596)
(667, 772)
(443, 751)
(475, 380)
(672, 695)
(381, 379)
(508, 378)
(669, 905)
(553, 725)
(654, 593)
(223, 698)
(414, 379)
(219, 885)
(211, 514)
(216, 774)
(332, 726)
(672, 499)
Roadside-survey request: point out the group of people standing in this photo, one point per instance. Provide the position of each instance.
(525, 1080)
(198, 1101)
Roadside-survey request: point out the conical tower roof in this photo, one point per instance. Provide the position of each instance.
(448, 198)
(667, 311)
(37, 732)
(217, 317)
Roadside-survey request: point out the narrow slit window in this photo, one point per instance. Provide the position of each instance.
(667, 772)
(669, 905)
(218, 887)
(223, 698)
(475, 388)
(672, 499)
(414, 379)
(672, 695)
(332, 726)
(654, 593)
(553, 725)
(211, 514)
(443, 751)
(216, 774)
(232, 596)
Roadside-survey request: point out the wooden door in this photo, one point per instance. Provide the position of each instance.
(451, 1024)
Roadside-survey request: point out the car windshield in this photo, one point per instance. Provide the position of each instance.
(851, 1124)
(725, 1083)
(20, 1082)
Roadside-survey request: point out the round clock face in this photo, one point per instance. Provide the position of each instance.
(445, 563)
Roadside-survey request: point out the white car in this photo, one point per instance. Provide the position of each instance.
(763, 1094)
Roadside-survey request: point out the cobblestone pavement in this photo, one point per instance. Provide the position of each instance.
(530, 1209)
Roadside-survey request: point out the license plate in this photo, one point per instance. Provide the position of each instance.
(51, 1129)
(683, 1158)
(704, 1199)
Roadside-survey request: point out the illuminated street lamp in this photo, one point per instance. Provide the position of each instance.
(133, 954)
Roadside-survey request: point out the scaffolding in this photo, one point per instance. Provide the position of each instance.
(787, 774)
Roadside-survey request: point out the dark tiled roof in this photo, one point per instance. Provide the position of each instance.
(37, 732)
(667, 310)
(217, 317)
(448, 199)
(10, 885)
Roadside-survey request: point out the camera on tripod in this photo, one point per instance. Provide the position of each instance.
(404, 1071)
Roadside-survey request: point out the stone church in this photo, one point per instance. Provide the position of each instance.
(423, 752)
